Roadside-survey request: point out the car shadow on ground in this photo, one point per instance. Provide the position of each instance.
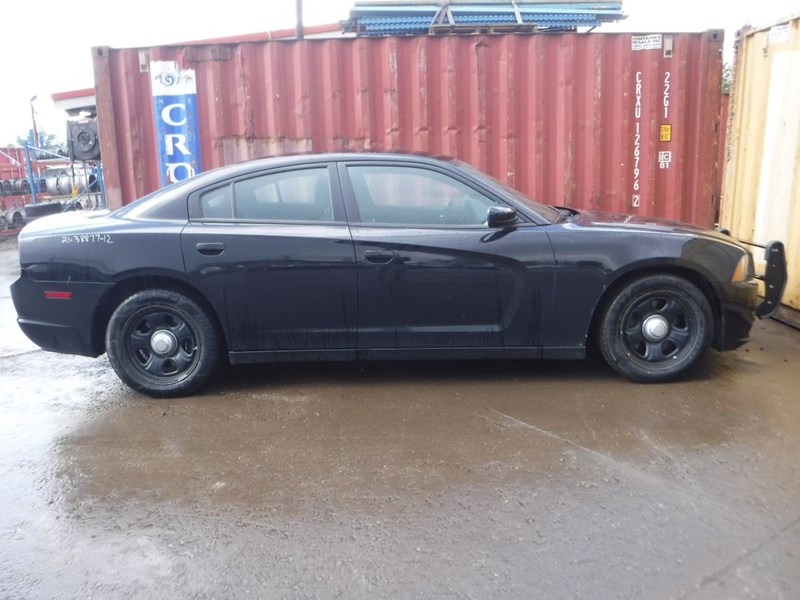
(592, 370)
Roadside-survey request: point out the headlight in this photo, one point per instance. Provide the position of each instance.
(743, 270)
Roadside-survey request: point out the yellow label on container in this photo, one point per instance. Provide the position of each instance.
(666, 133)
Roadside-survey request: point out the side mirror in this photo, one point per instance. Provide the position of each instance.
(501, 216)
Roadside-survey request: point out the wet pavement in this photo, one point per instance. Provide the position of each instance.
(481, 480)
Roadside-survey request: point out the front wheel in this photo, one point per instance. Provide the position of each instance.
(656, 328)
(162, 343)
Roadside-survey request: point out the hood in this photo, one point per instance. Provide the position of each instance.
(590, 218)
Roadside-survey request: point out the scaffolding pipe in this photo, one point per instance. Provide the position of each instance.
(31, 183)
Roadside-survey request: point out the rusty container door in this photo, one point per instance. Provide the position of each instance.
(762, 175)
(617, 122)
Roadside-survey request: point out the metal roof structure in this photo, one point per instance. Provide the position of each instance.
(376, 18)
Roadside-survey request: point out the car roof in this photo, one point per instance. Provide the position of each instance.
(234, 170)
(300, 159)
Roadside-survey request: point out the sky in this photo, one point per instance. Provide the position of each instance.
(46, 45)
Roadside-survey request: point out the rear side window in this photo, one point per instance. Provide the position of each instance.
(216, 204)
(303, 195)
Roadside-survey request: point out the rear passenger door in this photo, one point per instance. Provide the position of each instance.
(272, 252)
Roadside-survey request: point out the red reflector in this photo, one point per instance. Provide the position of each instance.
(58, 295)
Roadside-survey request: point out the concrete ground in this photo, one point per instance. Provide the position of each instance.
(431, 480)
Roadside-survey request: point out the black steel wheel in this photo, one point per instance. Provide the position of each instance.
(656, 328)
(162, 343)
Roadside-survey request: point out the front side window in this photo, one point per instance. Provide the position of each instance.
(392, 195)
(303, 195)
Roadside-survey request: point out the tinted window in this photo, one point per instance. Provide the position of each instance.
(216, 204)
(548, 213)
(415, 196)
(303, 195)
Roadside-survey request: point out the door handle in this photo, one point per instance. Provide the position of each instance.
(379, 257)
(210, 248)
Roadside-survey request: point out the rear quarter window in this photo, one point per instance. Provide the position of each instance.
(212, 204)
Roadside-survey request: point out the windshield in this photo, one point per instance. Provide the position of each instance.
(548, 213)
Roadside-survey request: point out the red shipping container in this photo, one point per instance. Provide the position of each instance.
(618, 122)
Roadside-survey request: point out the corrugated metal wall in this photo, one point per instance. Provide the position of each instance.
(12, 163)
(573, 119)
(762, 175)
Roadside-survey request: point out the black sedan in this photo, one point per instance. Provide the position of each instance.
(377, 256)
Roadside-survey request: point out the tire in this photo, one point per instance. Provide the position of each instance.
(33, 211)
(656, 328)
(189, 342)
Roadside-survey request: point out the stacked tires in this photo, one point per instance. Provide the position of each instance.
(11, 219)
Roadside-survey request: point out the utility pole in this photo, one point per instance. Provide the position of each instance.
(34, 132)
(299, 28)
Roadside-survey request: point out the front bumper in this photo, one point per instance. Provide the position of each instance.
(738, 302)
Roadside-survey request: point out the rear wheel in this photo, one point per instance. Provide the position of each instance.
(656, 328)
(162, 343)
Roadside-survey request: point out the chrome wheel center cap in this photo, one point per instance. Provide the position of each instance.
(655, 328)
(163, 342)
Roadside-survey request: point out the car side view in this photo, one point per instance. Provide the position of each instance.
(378, 257)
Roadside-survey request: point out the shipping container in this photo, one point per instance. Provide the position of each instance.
(12, 163)
(618, 122)
(15, 183)
(762, 173)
